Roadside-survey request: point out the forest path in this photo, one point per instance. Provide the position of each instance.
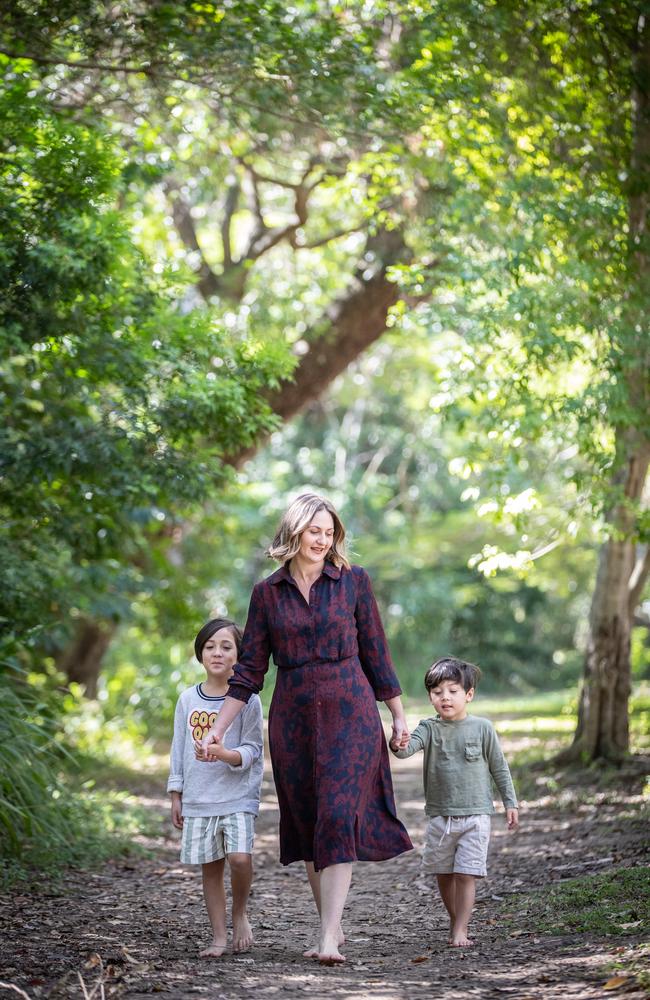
(134, 927)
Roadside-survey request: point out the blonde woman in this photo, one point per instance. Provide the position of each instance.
(318, 618)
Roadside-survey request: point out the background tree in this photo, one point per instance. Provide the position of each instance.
(309, 179)
(566, 295)
(106, 387)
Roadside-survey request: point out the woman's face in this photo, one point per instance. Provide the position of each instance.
(316, 540)
(219, 655)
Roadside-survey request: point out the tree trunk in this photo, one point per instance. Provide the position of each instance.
(603, 721)
(81, 661)
(349, 327)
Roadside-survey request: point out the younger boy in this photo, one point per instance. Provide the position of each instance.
(215, 802)
(461, 753)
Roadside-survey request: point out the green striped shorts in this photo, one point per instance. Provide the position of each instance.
(210, 838)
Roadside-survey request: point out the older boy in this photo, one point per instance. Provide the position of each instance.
(461, 754)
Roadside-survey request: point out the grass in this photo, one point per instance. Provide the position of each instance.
(91, 827)
(616, 904)
(53, 816)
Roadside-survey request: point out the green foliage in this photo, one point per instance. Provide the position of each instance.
(116, 406)
(46, 820)
(265, 68)
(542, 289)
(616, 904)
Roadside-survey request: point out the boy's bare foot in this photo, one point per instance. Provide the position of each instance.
(214, 950)
(242, 935)
(315, 951)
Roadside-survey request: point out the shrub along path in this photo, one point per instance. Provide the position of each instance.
(134, 928)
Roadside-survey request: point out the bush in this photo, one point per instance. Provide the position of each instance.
(45, 821)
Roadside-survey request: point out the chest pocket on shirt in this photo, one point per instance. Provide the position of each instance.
(472, 751)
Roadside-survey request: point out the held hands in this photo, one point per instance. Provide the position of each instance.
(400, 735)
(209, 748)
(512, 817)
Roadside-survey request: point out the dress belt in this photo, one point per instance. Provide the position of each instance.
(316, 663)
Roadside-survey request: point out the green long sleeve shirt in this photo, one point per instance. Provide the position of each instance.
(459, 760)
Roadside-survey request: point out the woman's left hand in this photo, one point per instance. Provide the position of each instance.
(400, 735)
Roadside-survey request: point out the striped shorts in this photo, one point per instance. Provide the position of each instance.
(211, 838)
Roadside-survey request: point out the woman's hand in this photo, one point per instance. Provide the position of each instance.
(400, 735)
(201, 746)
(231, 709)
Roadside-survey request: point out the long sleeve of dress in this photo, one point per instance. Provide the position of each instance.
(253, 663)
(374, 654)
(175, 780)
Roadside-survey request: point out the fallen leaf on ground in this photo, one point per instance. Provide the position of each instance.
(615, 982)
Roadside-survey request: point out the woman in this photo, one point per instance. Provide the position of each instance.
(318, 617)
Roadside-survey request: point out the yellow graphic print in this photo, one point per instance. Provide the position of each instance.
(201, 722)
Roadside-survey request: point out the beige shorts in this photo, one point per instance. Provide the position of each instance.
(211, 838)
(456, 845)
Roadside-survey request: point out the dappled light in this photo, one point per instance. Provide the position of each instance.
(391, 252)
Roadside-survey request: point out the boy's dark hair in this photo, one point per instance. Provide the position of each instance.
(451, 669)
(208, 630)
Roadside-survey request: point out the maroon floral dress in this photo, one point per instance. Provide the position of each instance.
(329, 754)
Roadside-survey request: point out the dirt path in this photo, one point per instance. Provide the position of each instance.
(134, 928)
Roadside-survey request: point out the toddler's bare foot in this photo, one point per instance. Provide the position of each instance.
(242, 935)
(214, 950)
(315, 951)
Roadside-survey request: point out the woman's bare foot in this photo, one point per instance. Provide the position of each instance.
(242, 935)
(315, 951)
(329, 954)
(214, 950)
(459, 939)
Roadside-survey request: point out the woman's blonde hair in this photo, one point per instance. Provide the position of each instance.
(297, 517)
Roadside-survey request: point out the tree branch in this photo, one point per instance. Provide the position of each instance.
(209, 283)
(145, 69)
(347, 329)
(230, 207)
(638, 580)
(314, 244)
(261, 178)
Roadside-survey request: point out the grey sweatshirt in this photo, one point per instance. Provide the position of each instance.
(459, 760)
(215, 788)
